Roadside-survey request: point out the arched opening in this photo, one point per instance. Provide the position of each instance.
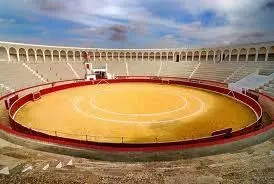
(134, 56)
(63, 55)
(91, 56)
(151, 56)
(140, 56)
(164, 56)
(47, 55)
(22, 55)
(97, 56)
(271, 54)
(116, 55)
(261, 54)
(3, 54)
(122, 56)
(77, 56)
(210, 56)
(203, 56)
(70, 56)
(109, 54)
(13, 54)
(170, 56)
(226, 55)
(31, 55)
(103, 56)
(177, 56)
(39, 54)
(145, 56)
(196, 56)
(251, 54)
(158, 56)
(128, 56)
(189, 56)
(242, 55)
(234, 55)
(218, 56)
(56, 56)
(84, 56)
(183, 56)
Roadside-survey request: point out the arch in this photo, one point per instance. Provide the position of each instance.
(225, 55)
(164, 56)
(3, 54)
(109, 55)
(84, 56)
(122, 56)
(63, 55)
(13, 54)
(183, 56)
(271, 54)
(128, 56)
(203, 56)
(22, 55)
(103, 56)
(210, 56)
(151, 56)
(261, 54)
(218, 56)
(116, 56)
(70, 56)
(189, 56)
(140, 55)
(170, 56)
(158, 56)
(134, 55)
(145, 56)
(176, 56)
(234, 55)
(47, 55)
(31, 55)
(251, 54)
(242, 54)
(55, 55)
(91, 56)
(39, 55)
(77, 56)
(196, 56)
(97, 56)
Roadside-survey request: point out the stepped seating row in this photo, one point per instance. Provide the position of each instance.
(249, 68)
(147, 68)
(16, 76)
(178, 69)
(216, 71)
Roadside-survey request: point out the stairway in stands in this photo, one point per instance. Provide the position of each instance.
(34, 72)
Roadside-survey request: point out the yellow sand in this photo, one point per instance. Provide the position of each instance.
(138, 112)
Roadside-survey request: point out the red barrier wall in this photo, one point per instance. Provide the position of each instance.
(143, 146)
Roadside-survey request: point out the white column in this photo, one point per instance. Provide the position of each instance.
(206, 57)
(222, 53)
(200, 53)
(35, 55)
(214, 56)
(142, 56)
(100, 58)
(192, 57)
(266, 55)
(186, 57)
(238, 55)
(256, 57)
(8, 52)
(17, 54)
(229, 59)
(246, 57)
(59, 55)
(27, 55)
(44, 57)
(81, 59)
(73, 56)
(51, 54)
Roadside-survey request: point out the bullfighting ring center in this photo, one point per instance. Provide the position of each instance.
(136, 118)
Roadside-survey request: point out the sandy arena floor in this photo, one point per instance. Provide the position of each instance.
(138, 112)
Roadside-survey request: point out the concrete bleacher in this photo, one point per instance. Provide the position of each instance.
(216, 71)
(16, 76)
(147, 68)
(183, 69)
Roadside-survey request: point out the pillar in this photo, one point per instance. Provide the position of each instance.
(17, 54)
(266, 55)
(256, 57)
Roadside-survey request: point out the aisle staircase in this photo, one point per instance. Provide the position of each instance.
(34, 72)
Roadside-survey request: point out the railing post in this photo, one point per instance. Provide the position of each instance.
(55, 133)
(156, 140)
(86, 137)
(122, 139)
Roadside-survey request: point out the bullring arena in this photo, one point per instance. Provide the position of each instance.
(163, 113)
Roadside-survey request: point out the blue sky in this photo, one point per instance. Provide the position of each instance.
(137, 23)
